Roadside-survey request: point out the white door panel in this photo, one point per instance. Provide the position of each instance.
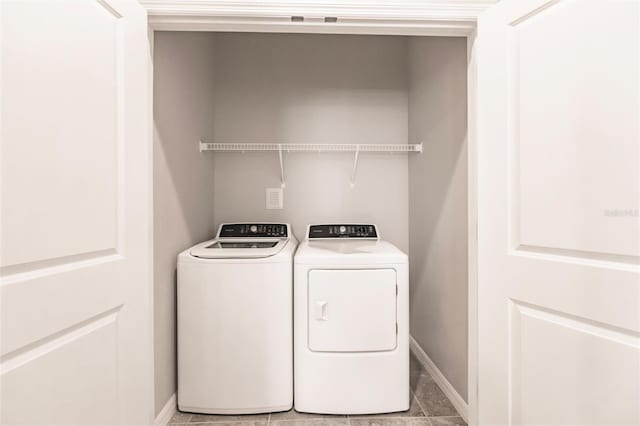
(89, 286)
(75, 312)
(558, 230)
(589, 362)
(574, 111)
(61, 119)
(352, 310)
(54, 379)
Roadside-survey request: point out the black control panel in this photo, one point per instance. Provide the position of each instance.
(253, 230)
(342, 231)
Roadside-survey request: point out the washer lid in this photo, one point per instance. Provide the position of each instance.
(229, 248)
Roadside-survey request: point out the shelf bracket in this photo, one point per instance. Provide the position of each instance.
(282, 181)
(355, 166)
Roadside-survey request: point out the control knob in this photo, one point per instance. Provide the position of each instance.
(253, 229)
(343, 229)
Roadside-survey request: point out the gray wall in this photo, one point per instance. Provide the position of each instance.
(438, 203)
(183, 179)
(312, 89)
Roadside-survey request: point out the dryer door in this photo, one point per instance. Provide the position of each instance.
(352, 310)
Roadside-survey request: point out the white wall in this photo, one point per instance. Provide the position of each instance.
(300, 88)
(438, 203)
(183, 179)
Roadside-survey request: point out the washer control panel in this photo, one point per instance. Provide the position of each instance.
(253, 230)
(361, 231)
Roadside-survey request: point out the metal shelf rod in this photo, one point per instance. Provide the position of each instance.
(299, 147)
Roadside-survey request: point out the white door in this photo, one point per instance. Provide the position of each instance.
(352, 310)
(559, 185)
(76, 331)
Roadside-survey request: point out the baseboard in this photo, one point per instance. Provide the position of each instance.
(167, 412)
(443, 383)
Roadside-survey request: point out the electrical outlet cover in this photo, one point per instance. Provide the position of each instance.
(275, 198)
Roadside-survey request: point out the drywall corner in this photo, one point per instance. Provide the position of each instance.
(438, 203)
(182, 177)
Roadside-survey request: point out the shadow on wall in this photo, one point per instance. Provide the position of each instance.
(438, 193)
(183, 179)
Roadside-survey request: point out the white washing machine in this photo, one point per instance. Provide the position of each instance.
(235, 321)
(351, 322)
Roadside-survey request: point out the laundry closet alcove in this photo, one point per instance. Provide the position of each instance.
(275, 90)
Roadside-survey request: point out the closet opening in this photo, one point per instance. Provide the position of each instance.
(320, 89)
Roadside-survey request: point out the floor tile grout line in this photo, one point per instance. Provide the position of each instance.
(424, 412)
(217, 422)
(314, 420)
(376, 417)
(445, 417)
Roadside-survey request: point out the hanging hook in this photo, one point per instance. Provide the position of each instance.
(355, 167)
(282, 182)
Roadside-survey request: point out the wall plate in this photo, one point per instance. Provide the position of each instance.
(274, 198)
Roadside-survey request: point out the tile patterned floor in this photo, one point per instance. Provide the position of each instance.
(429, 407)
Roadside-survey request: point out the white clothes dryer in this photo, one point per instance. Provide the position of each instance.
(351, 322)
(235, 321)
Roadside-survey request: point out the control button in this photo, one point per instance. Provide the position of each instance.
(254, 228)
(343, 229)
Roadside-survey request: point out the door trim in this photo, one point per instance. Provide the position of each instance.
(442, 18)
(401, 17)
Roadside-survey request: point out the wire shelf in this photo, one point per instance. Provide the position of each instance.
(300, 147)
(312, 147)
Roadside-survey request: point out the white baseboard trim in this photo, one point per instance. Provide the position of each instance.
(167, 412)
(438, 377)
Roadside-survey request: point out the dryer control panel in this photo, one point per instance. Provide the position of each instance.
(253, 230)
(332, 231)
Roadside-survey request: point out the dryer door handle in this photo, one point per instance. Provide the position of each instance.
(320, 310)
